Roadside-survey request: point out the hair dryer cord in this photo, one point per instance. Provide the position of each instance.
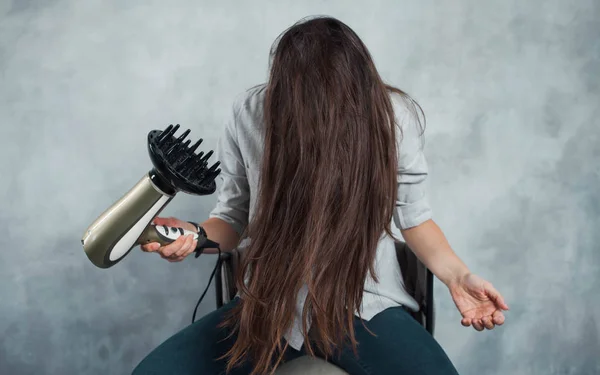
(212, 275)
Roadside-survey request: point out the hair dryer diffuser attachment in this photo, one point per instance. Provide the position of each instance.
(178, 163)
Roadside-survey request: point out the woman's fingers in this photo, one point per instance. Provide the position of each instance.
(160, 221)
(177, 250)
(487, 322)
(495, 296)
(172, 258)
(168, 221)
(477, 324)
(188, 247)
(498, 318)
(173, 247)
(150, 247)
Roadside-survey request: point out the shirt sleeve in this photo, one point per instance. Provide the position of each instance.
(412, 206)
(233, 197)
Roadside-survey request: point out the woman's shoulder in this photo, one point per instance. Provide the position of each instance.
(250, 100)
(248, 111)
(402, 102)
(407, 111)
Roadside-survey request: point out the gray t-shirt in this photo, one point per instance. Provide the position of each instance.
(240, 151)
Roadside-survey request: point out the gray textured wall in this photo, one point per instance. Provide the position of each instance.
(512, 94)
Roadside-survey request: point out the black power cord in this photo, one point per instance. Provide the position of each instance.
(212, 275)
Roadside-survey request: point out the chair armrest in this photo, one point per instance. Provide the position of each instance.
(418, 281)
(430, 304)
(225, 287)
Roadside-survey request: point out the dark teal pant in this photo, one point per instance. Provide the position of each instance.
(401, 347)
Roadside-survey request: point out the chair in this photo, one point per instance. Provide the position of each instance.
(418, 281)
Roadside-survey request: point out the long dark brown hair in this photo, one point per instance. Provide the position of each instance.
(326, 194)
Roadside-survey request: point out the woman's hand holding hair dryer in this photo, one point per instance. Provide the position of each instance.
(216, 229)
(177, 250)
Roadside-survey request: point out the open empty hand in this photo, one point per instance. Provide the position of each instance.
(479, 303)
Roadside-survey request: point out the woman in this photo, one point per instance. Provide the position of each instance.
(311, 163)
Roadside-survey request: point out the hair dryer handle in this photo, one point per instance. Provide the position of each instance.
(165, 235)
(110, 238)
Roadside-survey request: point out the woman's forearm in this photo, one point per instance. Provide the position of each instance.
(430, 245)
(222, 233)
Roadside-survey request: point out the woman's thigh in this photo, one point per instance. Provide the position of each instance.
(193, 350)
(401, 346)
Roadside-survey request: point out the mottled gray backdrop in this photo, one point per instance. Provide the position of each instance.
(512, 94)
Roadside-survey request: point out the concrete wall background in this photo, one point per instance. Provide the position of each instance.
(511, 91)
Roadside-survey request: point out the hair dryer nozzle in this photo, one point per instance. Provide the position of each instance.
(175, 160)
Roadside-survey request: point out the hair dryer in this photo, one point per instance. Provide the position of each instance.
(127, 223)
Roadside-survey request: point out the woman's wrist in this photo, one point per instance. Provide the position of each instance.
(455, 277)
(198, 228)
